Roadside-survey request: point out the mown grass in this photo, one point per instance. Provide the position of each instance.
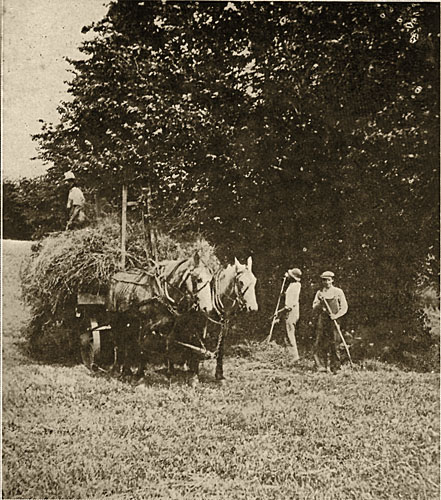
(273, 431)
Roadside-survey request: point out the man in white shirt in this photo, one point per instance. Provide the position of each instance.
(292, 295)
(328, 298)
(75, 203)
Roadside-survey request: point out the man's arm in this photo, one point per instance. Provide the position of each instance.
(317, 300)
(343, 305)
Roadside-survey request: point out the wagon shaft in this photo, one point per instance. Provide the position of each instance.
(203, 352)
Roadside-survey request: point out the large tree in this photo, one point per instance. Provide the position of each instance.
(302, 133)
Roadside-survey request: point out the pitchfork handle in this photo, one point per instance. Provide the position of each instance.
(340, 333)
(268, 338)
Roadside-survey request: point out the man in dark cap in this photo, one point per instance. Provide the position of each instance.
(329, 305)
(292, 295)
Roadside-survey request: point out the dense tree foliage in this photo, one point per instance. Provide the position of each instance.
(304, 134)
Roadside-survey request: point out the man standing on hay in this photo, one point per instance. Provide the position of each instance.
(329, 305)
(75, 203)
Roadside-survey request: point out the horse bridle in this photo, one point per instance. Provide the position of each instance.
(240, 294)
(194, 293)
(237, 296)
(189, 293)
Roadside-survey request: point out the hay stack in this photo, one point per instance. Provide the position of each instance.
(67, 262)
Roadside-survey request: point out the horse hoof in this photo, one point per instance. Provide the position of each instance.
(136, 377)
(114, 371)
(193, 381)
(138, 381)
(126, 376)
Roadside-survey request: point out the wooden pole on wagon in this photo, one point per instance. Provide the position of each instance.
(152, 235)
(146, 212)
(123, 226)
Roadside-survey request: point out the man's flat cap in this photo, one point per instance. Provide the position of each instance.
(327, 274)
(69, 175)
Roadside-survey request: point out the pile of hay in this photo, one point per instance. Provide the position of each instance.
(84, 260)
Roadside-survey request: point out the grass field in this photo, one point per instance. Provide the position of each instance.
(271, 432)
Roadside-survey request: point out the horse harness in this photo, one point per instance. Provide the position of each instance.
(164, 286)
(187, 273)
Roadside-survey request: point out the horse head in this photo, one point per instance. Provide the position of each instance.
(197, 283)
(245, 284)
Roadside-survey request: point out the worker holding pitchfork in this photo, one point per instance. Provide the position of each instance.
(292, 295)
(291, 310)
(329, 305)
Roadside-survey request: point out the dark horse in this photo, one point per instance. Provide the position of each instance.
(144, 306)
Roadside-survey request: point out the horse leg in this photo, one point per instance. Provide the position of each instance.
(170, 368)
(135, 357)
(116, 326)
(170, 365)
(126, 372)
(220, 352)
(142, 361)
(115, 368)
(119, 360)
(127, 342)
(140, 357)
(220, 362)
(139, 371)
(194, 370)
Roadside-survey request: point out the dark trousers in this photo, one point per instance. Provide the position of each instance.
(326, 344)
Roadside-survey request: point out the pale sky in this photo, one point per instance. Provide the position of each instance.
(37, 35)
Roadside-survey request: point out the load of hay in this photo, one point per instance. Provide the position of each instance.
(66, 263)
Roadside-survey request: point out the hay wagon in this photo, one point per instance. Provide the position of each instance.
(97, 312)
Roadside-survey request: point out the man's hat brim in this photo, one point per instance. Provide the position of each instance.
(295, 274)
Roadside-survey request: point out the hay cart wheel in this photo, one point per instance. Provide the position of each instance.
(94, 344)
(90, 345)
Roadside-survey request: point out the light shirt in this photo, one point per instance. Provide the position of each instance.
(75, 198)
(332, 293)
(292, 295)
